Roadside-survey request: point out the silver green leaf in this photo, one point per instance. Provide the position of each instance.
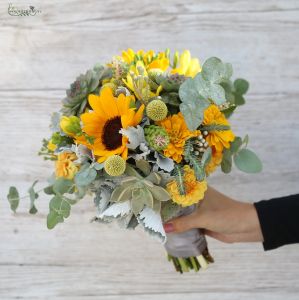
(169, 210)
(116, 210)
(152, 223)
(214, 70)
(247, 161)
(86, 175)
(62, 186)
(33, 196)
(13, 198)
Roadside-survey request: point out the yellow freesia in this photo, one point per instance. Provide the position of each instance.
(187, 65)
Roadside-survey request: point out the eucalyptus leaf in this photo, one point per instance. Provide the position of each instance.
(60, 206)
(85, 176)
(13, 198)
(62, 185)
(247, 161)
(53, 219)
(229, 111)
(49, 190)
(214, 70)
(226, 163)
(241, 86)
(193, 114)
(239, 99)
(235, 145)
(33, 196)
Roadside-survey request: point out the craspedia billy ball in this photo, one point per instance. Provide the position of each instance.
(115, 165)
(156, 110)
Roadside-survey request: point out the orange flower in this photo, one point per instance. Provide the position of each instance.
(65, 166)
(195, 190)
(178, 133)
(217, 138)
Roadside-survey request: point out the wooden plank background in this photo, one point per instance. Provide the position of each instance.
(41, 55)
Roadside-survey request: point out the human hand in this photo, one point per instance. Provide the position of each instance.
(222, 218)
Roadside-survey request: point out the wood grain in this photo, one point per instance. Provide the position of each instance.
(41, 56)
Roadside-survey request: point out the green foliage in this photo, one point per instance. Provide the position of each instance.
(45, 152)
(86, 175)
(170, 83)
(60, 205)
(235, 145)
(13, 198)
(169, 210)
(241, 86)
(214, 70)
(215, 127)
(62, 186)
(247, 161)
(178, 174)
(61, 140)
(33, 196)
(226, 163)
(197, 164)
(229, 111)
(197, 93)
(141, 192)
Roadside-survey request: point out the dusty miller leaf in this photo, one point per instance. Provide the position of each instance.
(152, 223)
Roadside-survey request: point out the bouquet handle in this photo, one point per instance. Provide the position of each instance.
(188, 250)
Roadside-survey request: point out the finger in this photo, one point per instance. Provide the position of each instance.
(182, 224)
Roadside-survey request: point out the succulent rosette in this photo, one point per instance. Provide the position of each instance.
(142, 134)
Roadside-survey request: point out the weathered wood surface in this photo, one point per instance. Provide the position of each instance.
(41, 55)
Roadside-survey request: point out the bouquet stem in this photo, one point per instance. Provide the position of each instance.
(185, 264)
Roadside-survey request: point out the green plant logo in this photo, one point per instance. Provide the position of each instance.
(22, 12)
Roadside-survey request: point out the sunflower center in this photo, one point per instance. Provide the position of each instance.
(111, 137)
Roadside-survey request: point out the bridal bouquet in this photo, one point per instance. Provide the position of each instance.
(142, 134)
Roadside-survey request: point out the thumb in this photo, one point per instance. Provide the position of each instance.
(182, 224)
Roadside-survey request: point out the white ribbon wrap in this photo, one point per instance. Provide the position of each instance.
(188, 243)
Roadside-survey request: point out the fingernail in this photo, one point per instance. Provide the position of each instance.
(168, 227)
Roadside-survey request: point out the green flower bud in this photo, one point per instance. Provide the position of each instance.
(157, 137)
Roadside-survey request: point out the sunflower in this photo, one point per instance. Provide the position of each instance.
(186, 65)
(65, 166)
(108, 117)
(178, 133)
(194, 189)
(218, 139)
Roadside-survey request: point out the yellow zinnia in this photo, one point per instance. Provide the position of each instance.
(186, 65)
(65, 166)
(217, 138)
(194, 189)
(178, 133)
(108, 117)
